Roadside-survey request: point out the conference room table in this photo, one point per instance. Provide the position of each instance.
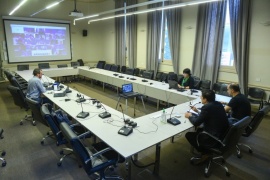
(150, 131)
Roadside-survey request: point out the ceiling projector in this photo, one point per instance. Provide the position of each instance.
(76, 14)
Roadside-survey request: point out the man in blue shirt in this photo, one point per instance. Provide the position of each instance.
(35, 87)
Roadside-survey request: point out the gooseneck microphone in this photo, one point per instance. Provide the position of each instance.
(125, 120)
(191, 106)
(125, 130)
(82, 114)
(105, 114)
(80, 97)
(173, 120)
(47, 83)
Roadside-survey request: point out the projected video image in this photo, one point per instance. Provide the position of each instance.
(127, 88)
(38, 40)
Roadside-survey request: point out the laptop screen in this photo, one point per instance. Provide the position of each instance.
(126, 88)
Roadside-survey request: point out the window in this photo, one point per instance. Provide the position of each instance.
(166, 44)
(227, 58)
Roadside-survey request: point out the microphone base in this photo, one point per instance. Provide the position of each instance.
(125, 131)
(83, 115)
(105, 115)
(121, 76)
(80, 100)
(144, 80)
(132, 79)
(173, 121)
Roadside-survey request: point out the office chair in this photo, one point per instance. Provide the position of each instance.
(256, 96)
(172, 76)
(74, 64)
(226, 145)
(164, 77)
(107, 67)
(180, 76)
(22, 86)
(43, 65)
(3, 152)
(158, 76)
(23, 67)
(62, 65)
(195, 77)
(10, 76)
(19, 100)
(80, 61)
(224, 90)
(147, 75)
(216, 87)
(205, 84)
(253, 125)
(101, 64)
(130, 71)
(115, 68)
(197, 84)
(123, 69)
(92, 159)
(36, 114)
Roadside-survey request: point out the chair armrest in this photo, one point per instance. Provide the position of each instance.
(76, 124)
(84, 134)
(211, 136)
(97, 154)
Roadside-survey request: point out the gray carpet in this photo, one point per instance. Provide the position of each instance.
(28, 159)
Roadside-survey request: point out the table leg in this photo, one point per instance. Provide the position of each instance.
(134, 102)
(172, 139)
(157, 104)
(143, 104)
(135, 157)
(128, 168)
(103, 86)
(118, 102)
(157, 161)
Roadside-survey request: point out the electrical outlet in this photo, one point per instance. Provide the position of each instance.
(258, 79)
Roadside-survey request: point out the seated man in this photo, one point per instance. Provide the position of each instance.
(35, 88)
(214, 121)
(239, 104)
(187, 81)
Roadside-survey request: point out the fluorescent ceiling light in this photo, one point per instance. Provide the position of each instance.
(54, 4)
(16, 8)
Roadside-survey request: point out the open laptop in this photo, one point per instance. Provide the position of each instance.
(174, 85)
(127, 90)
(62, 93)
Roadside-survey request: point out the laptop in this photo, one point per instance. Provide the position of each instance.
(174, 85)
(127, 90)
(63, 93)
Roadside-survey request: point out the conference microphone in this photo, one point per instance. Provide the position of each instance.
(191, 106)
(105, 114)
(125, 130)
(173, 120)
(82, 114)
(80, 97)
(47, 83)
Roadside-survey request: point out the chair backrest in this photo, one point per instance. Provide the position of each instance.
(35, 108)
(23, 67)
(164, 78)
(8, 75)
(46, 112)
(216, 87)
(78, 148)
(180, 76)
(256, 93)
(141, 72)
(195, 77)
(74, 64)
(43, 65)
(130, 71)
(80, 61)
(147, 75)
(158, 76)
(62, 65)
(115, 68)
(223, 90)
(205, 84)
(101, 64)
(137, 72)
(123, 69)
(172, 76)
(197, 84)
(18, 97)
(108, 67)
(15, 83)
(256, 120)
(234, 133)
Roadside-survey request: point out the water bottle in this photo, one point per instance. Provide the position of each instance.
(163, 116)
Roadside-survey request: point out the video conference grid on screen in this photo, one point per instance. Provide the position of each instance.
(36, 41)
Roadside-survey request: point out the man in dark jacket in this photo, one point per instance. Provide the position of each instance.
(213, 118)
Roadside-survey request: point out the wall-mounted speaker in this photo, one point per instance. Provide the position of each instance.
(84, 32)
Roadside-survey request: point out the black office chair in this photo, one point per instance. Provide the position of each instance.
(130, 71)
(226, 145)
(158, 76)
(107, 67)
(43, 65)
(255, 96)
(101, 64)
(205, 84)
(172, 76)
(180, 76)
(3, 152)
(197, 84)
(195, 77)
(22, 67)
(62, 65)
(36, 114)
(80, 61)
(123, 69)
(147, 75)
(115, 68)
(74, 64)
(19, 100)
(137, 72)
(9, 76)
(253, 125)
(141, 72)
(224, 90)
(164, 77)
(216, 87)
(94, 159)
